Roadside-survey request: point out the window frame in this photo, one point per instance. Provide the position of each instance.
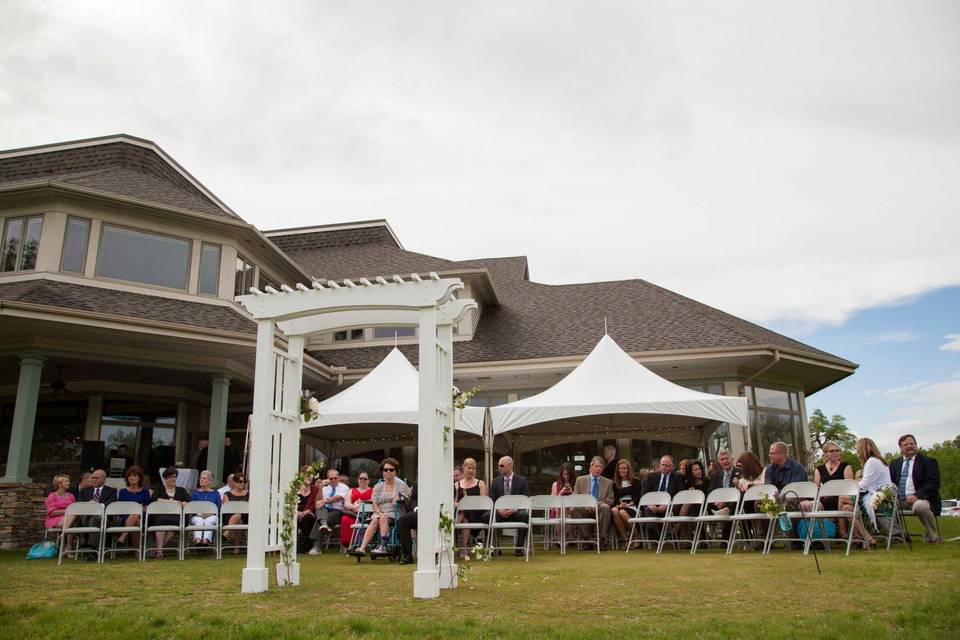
(86, 248)
(18, 259)
(99, 276)
(216, 279)
(254, 279)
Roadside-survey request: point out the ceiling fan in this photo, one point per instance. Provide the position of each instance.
(58, 386)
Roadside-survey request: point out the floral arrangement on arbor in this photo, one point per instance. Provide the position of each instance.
(309, 406)
(460, 399)
(288, 528)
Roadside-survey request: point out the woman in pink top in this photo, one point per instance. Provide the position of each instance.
(58, 501)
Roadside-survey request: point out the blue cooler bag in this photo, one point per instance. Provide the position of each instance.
(818, 529)
(43, 551)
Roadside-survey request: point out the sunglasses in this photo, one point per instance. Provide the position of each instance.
(363, 478)
(389, 469)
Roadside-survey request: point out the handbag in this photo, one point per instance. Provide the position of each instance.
(45, 550)
(818, 529)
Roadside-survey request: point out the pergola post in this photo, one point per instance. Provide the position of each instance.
(426, 579)
(255, 575)
(448, 566)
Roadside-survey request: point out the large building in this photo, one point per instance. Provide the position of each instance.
(118, 325)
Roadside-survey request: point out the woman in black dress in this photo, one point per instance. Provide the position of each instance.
(167, 492)
(833, 468)
(468, 485)
(626, 494)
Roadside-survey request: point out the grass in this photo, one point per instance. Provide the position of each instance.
(879, 594)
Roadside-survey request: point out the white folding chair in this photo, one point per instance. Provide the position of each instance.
(73, 514)
(731, 499)
(833, 489)
(121, 510)
(516, 503)
(546, 505)
(909, 513)
(692, 497)
(799, 491)
(896, 528)
(750, 520)
(580, 501)
(199, 507)
(649, 499)
(162, 508)
(472, 504)
(228, 509)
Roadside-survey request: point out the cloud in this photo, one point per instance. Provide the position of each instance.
(930, 411)
(894, 336)
(745, 154)
(952, 344)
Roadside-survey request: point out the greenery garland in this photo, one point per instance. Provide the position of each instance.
(288, 522)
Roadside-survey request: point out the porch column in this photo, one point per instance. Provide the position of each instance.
(219, 395)
(24, 417)
(739, 433)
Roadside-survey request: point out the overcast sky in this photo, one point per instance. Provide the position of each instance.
(794, 163)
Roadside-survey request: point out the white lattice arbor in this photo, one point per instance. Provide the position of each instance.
(275, 428)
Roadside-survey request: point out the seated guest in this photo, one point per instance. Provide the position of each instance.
(601, 488)
(750, 469)
(357, 495)
(306, 506)
(167, 492)
(509, 483)
(833, 468)
(57, 501)
(238, 493)
(626, 494)
(695, 478)
(663, 480)
(406, 525)
(783, 469)
(610, 462)
(227, 487)
(386, 496)
(468, 485)
(563, 486)
(83, 484)
(723, 477)
(205, 492)
(330, 503)
(876, 475)
(137, 490)
(918, 482)
(98, 491)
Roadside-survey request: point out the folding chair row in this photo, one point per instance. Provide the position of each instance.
(107, 522)
(520, 521)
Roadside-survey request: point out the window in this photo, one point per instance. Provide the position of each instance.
(339, 336)
(775, 415)
(344, 335)
(209, 269)
(243, 279)
(141, 256)
(75, 245)
(389, 332)
(21, 240)
(356, 334)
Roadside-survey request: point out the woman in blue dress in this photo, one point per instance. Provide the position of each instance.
(137, 490)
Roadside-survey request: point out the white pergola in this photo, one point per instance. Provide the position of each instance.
(275, 426)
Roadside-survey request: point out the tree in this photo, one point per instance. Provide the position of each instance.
(835, 429)
(947, 454)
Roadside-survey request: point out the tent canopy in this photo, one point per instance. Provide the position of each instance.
(383, 403)
(612, 391)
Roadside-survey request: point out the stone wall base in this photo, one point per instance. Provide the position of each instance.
(21, 514)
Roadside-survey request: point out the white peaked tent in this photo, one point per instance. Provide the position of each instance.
(388, 395)
(610, 389)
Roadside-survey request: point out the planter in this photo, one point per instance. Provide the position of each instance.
(291, 580)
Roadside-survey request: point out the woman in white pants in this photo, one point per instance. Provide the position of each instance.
(205, 492)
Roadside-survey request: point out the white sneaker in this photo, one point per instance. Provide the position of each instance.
(314, 550)
(324, 527)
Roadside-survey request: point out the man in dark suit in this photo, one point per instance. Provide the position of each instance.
(509, 483)
(918, 481)
(723, 479)
(667, 480)
(98, 491)
(406, 524)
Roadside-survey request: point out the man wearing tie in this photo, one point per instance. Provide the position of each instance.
(601, 488)
(98, 491)
(509, 483)
(918, 482)
(666, 480)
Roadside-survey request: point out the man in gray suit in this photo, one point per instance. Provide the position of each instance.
(601, 488)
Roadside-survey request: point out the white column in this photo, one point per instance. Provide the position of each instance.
(448, 566)
(219, 398)
(739, 433)
(426, 579)
(91, 430)
(290, 454)
(24, 417)
(255, 575)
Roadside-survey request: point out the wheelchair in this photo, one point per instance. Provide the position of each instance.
(392, 543)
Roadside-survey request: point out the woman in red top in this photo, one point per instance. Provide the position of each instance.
(352, 506)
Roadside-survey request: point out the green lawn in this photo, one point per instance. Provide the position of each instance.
(579, 596)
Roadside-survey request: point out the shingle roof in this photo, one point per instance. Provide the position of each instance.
(119, 168)
(368, 260)
(76, 297)
(328, 238)
(539, 321)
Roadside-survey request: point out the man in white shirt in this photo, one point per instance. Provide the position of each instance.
(330, 503)
(227, 487)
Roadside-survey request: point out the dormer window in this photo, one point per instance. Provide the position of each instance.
(145, 257)
(21, 241)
